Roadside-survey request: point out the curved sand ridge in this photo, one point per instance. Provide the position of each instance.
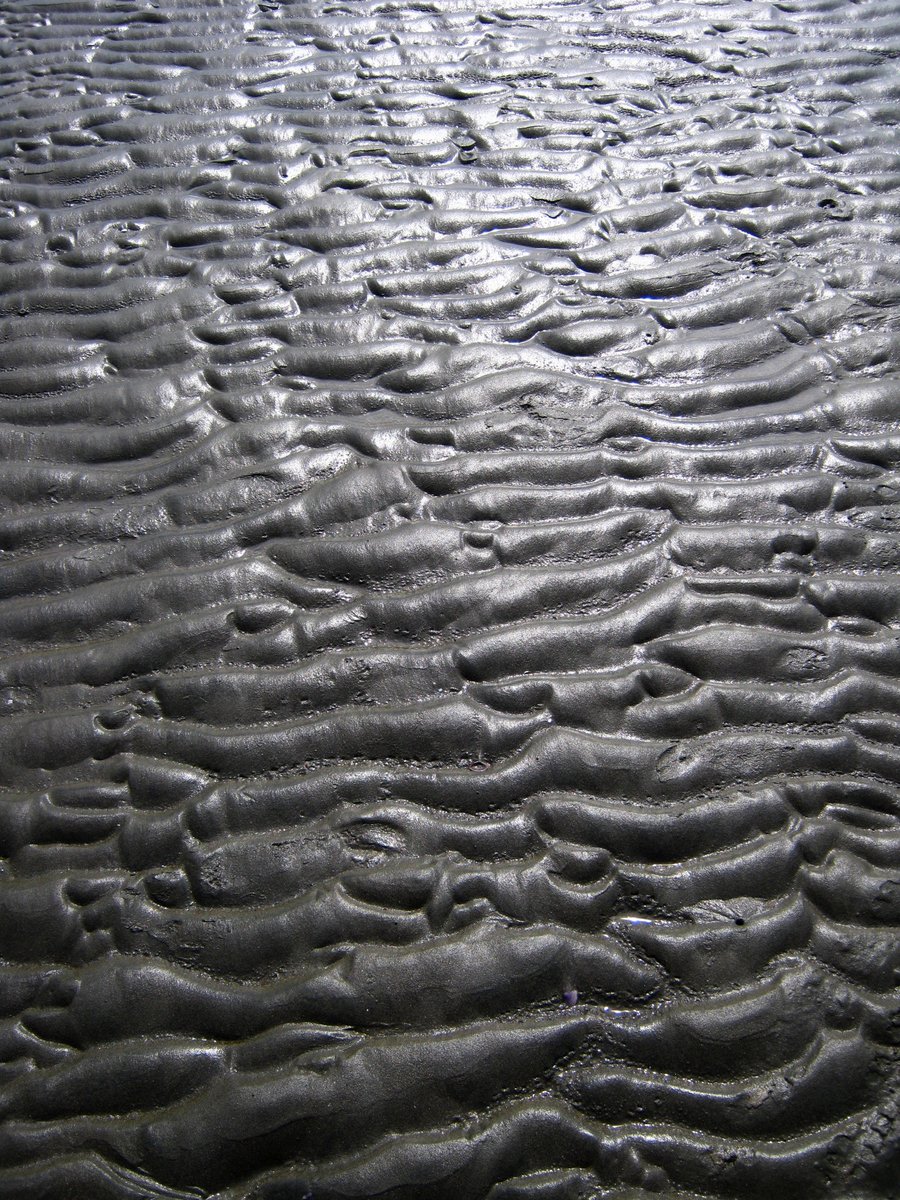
(448, 600)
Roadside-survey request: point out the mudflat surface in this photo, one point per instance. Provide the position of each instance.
(449, 600)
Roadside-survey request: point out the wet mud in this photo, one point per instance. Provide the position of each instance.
(449, 602)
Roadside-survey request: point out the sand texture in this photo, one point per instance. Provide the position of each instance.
(449, 607)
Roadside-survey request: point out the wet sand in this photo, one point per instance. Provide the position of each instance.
(449, 600)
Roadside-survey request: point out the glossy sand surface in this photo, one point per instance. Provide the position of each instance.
(449, 600)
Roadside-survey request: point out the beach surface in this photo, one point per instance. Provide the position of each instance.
(449, 607)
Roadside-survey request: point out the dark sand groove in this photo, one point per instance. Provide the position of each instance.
(449, 600)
